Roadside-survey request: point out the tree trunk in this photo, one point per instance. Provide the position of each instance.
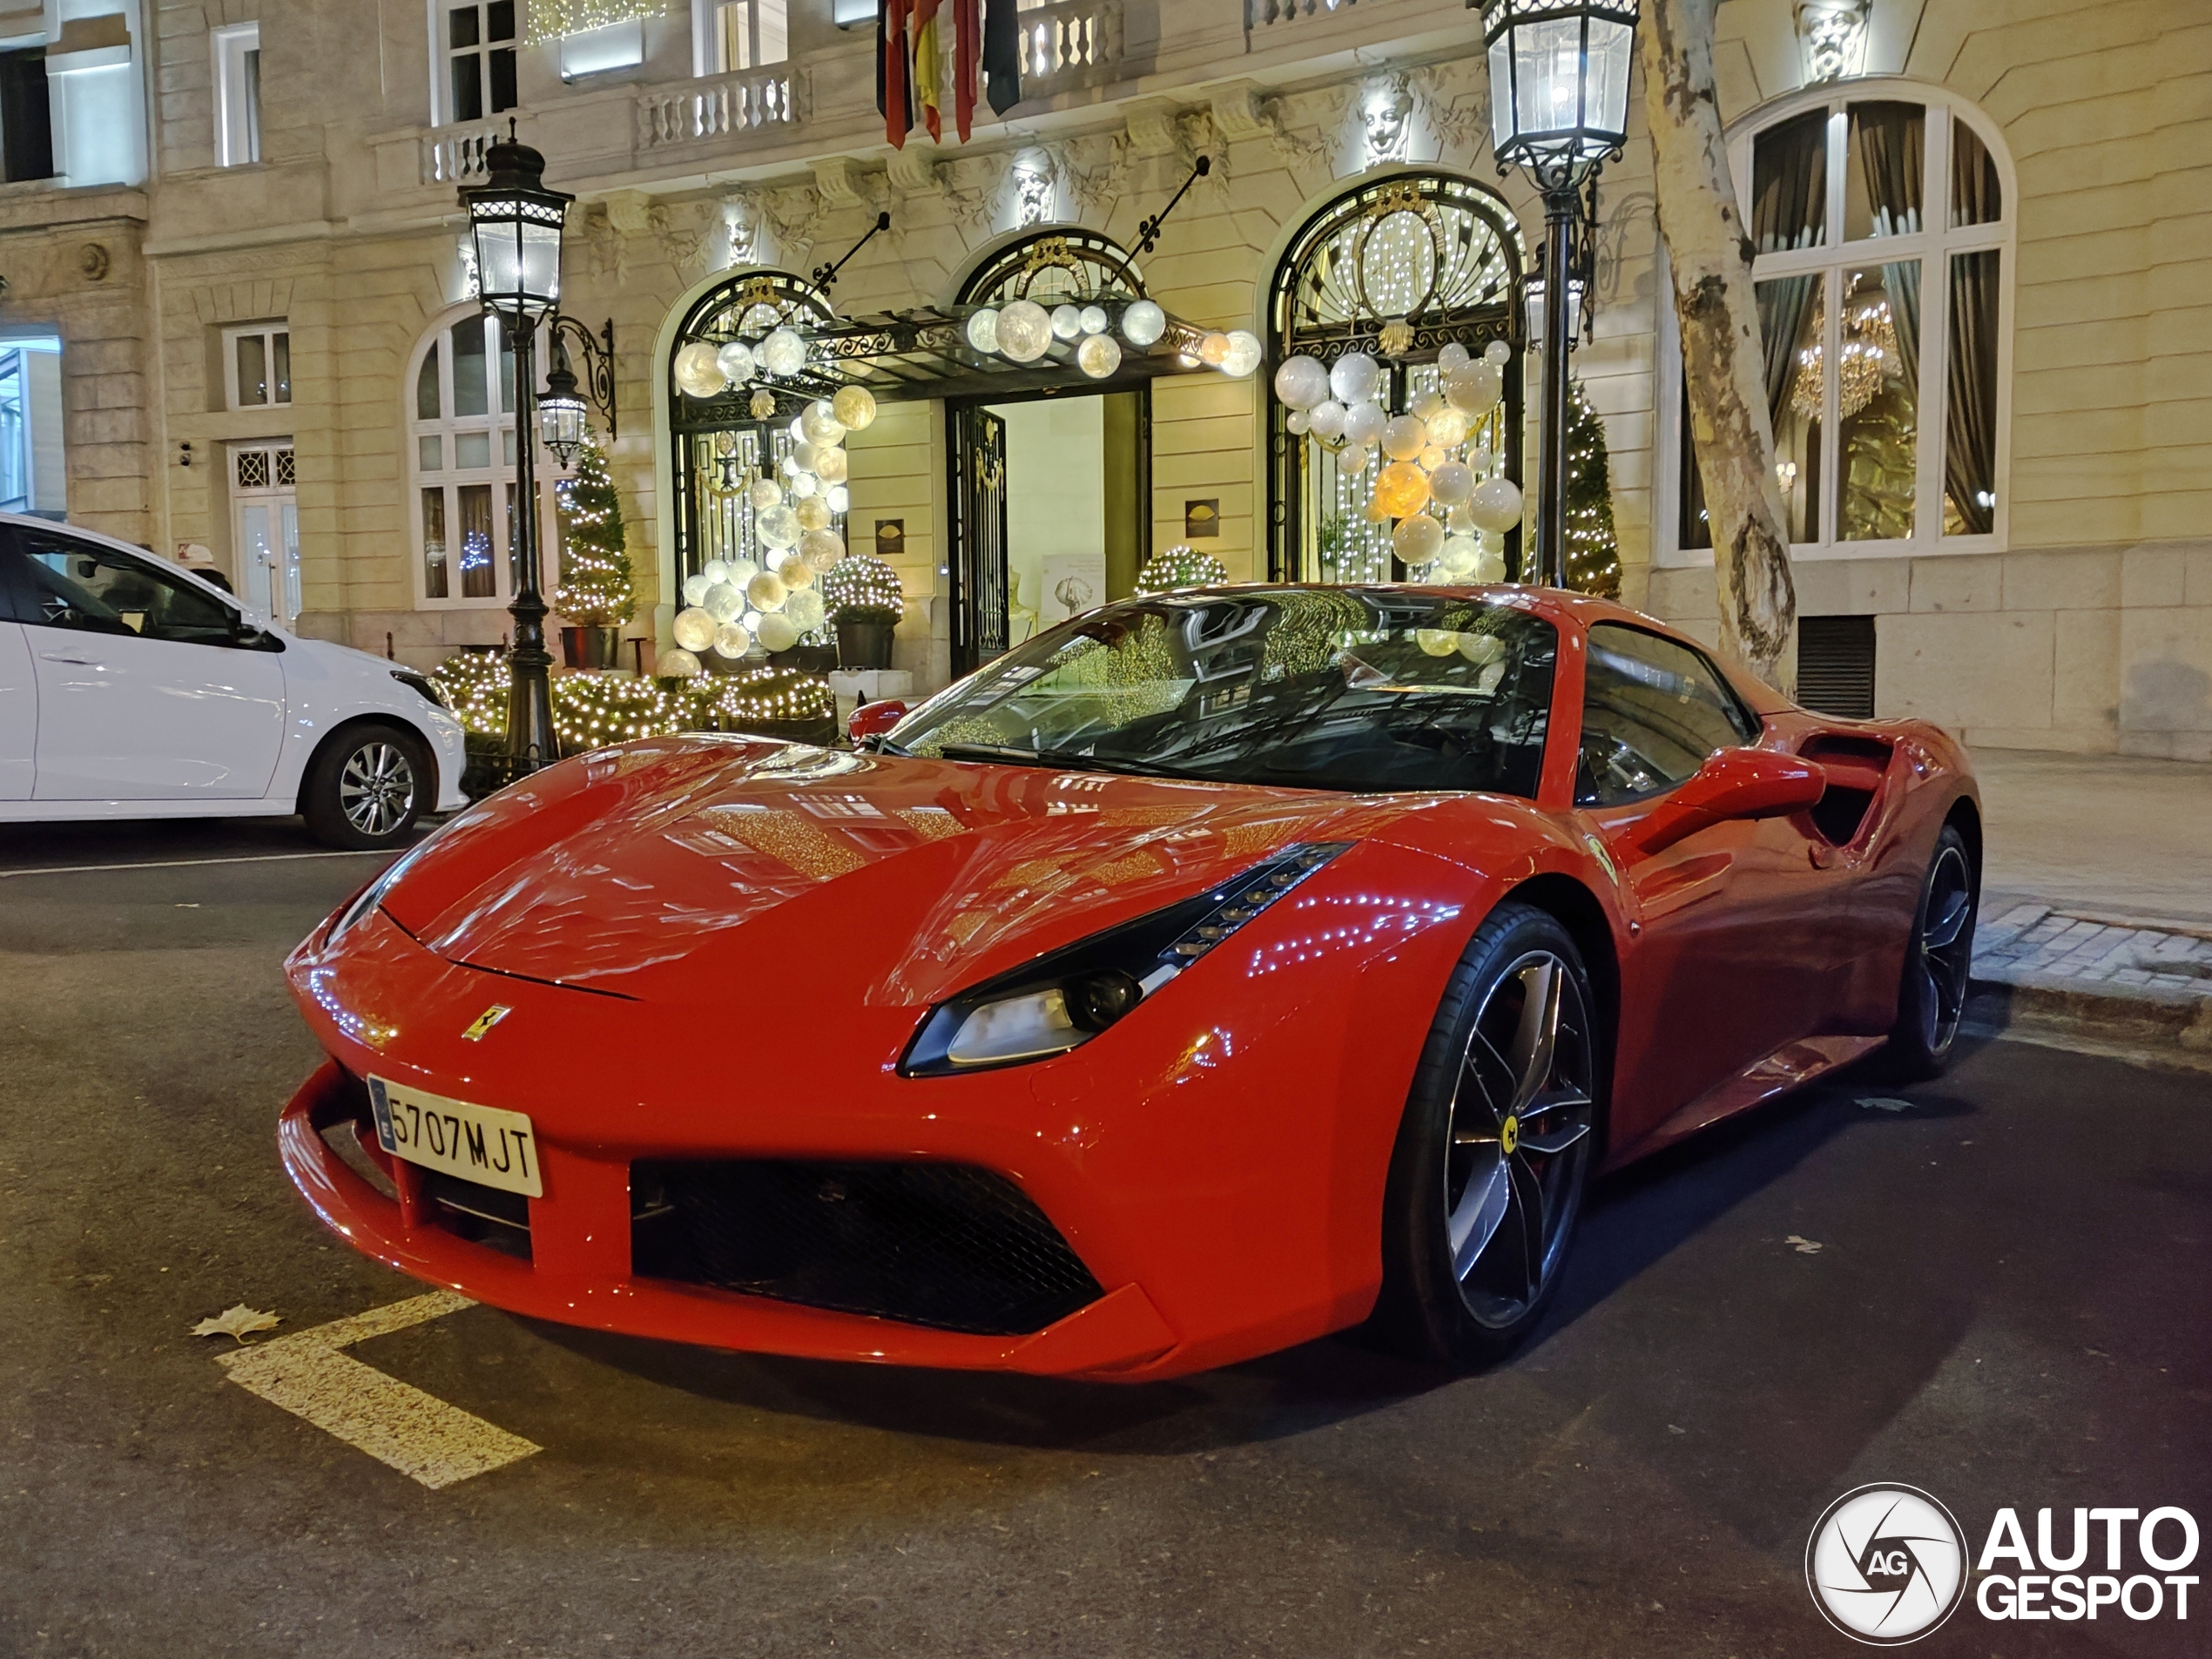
(1724, 365)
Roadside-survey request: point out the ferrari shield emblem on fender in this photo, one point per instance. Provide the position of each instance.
(484, 1021)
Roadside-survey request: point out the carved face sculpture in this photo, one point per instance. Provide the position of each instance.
(744, 227)
(1389, 123)
(1833, 35)
(1032, 198)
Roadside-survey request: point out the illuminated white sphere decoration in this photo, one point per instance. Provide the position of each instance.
(1476, 387)
(678, 665)
(1301, 382)
(983, 331)
(1143, 323)
(821, 549)
(742, 571)
(1498, 354)
(723, 600)
(1460, 554)
(1495, 504)
(1425, 404)
(1245, 353)
(764, 493)
(735, 361)
(1491, 567)
(804, 610)
(814, 513)
(804, 485)
(1298, 421)
(1449, 427)
(695, 588)
(819, 422)
(1213, 349)
(1419, 539)
(1067, 321)
(804, 454)
(1432, 455)
(1454, 355)
(1025, 332)
(715, 570)
(839, 497)
(732, 640)
(794, 573)
(1364, 423)
(778, 633)
(1404, 437)
(1095, 319)
(1355, 458)
(1098, 357)
(782, 353)
(833, 465)
(1327, 418)
(854, 408)
(694, 629)
(697, 374)
(1355, 377)
(1452, 483)
(777, 528)
(767, 591)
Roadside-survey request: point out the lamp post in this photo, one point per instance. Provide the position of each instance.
(517, 223)
(1559, 107)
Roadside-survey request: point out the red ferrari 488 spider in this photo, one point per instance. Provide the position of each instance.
(1217, 970)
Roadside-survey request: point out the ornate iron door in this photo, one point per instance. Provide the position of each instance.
(979, 538)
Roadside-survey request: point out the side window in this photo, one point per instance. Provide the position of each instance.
(73, 584)
(1653, 712)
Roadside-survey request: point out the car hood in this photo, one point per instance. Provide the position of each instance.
(736, 874)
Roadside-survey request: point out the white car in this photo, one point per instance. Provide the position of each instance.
(130, 688)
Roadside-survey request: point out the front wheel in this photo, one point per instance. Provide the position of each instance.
(365, 791)
(1494, 1153)
(1932, 998)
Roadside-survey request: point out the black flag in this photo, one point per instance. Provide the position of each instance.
(1002, 55)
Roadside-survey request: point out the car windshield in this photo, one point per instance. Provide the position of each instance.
(1363, 689)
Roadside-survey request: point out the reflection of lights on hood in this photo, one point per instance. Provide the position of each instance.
(1385, 917)
(368, 1032)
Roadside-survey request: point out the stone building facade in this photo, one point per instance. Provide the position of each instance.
(258, 321)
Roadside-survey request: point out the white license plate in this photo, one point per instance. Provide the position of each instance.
(479, 1144)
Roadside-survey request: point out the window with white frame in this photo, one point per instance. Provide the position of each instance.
(747, 34)
(461, 433)
(238, 94)
(477, 42)
(1882, 233)
(257, 365)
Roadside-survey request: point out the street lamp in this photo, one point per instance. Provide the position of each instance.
(561, 409)
(517, 223)
(1559, 107)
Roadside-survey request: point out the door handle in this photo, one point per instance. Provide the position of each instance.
(81, 661)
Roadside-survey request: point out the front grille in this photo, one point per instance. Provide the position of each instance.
(482, 1215)
(946, 1245)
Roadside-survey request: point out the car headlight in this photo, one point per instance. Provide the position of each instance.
(423, 687)
(1063, 999)
(372, 895)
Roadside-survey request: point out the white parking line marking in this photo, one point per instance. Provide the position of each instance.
(394, 1422)
(179, 864)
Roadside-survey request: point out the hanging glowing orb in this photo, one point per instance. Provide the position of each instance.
(723, 600)
(839, 498)
(1098, 357)
(1355, 377)
(1400, 489)
(1301, 382)
(804, 454)
(1432, 455)
(1491, 567)
(1025, 332)
(821, 549)
(735, 361)
(1354, 459)
(777, 633)
(794, 573)
(694, 629)
(1495, 504)
(1095, 320)
(1067, 321)
(1417, 540)
(1425, 404)
(1454, 356)
(1327, 418)
(1143, 324)
(1449, 427)
(1476, 387)
(715, 570)
(854, 407)
(805, 485)
(765, 494)
(1245, 353)
(1460, 554)
(695, 590)
(777, 528)
(1404, 437)
(782, 353)
(1213, 349)
(1498, 353)
(832, 465)
(767, 591)
(732, 640)
(1298, 421)
(814, 513)
(819, 422)
(678, 665)
(1450, 483)
(983, 331)
(804, 610)
(1364, 423)
(742, 571)
(697, 374)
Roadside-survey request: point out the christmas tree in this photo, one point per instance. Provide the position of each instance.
(861, 588)
(1180, 567)
(1593, 555)
(595, 590)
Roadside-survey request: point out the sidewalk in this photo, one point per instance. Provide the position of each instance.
(2096, 914)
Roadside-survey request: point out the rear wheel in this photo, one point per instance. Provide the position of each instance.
(1494, 1153)
(1933, 999)
(365, 791)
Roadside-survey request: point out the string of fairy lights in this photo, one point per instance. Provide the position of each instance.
(1180, 566)
(591, 711)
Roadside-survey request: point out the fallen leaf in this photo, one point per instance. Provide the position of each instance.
(236, 1321)
(1884, 1103)
(1804, 1247)
(1671, 1429)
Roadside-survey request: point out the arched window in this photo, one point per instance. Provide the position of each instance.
(1052, 266)
(1435, 254)
(718, 443)
(461, 433)
(1882, 225)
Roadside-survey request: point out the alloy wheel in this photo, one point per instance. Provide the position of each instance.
(377, 788)
(1519, 1131)
(1946, 943)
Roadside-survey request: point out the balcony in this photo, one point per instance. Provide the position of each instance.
(731, 106)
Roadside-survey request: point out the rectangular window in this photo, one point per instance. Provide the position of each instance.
(1696, 525)
(260, 364)
(479, 47)
(479, 580)
(1970, 397)
(1791, 323)
(1878, 403)
(433, 542)
(238, 95)
(26, 117)
(471, 385)
(751, 34)
(1790, 184)
(1888, 160)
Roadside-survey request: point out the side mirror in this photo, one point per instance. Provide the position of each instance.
(1734, 783)
(873, 719)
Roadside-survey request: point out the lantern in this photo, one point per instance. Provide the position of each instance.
(1559, 80)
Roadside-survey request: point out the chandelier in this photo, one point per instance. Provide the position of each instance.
(1865, 358)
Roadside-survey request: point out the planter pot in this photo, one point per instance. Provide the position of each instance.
(864, 644)
(592, 647)
(807, 659)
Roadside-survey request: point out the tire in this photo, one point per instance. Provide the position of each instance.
(1932, 997)
(1494, 1153)
(366, 789)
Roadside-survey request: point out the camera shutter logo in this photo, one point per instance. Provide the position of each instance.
(1886, 1564)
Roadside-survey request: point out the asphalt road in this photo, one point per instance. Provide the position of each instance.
(2007, 1306)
